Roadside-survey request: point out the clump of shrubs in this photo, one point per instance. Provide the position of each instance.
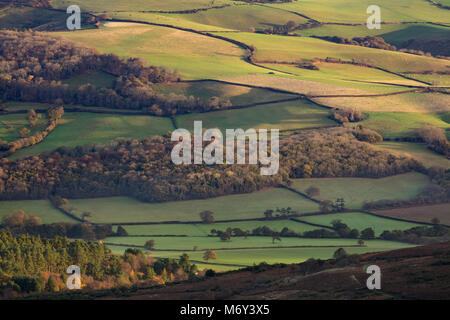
(347, 115)
(367, 135)
(435, 139)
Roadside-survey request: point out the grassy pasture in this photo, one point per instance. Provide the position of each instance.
(242, 206)
(394, 34)
(17, 105)
(40, 208)
(279, 255)
(361, 221)
(310, 83)
(10, 126)
(342, 79)
(417, 32)
(238, 95)
(354, 11)
(177, 20)
(137, 5)
(295, 49)
(244, 17)
(408, 102)
(283, 116)
(205, 229)
(97, 79)
(194, 56)
(402, 124)
(204, 243)
(356, 191)
(71, 131)
(421, 214)
(434, 79)
(417, 151)
(25, 17)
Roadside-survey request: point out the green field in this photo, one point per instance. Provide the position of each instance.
(360, 221)
(205, 229)
(295, 49)
(137, 5)
(408, 102)
(403, 124)
(203, 243)
(71, 131)
(242, 206)
(10, 126)
(434, 79)
(194, 56)
(394, 34)
(279, 255)
(356, 191)
(40, 208)
(354, 11)
(283, 116)
(245, 17)
(237, 94)
(418, 151)
(333, 78)
(177, 20)
(97, 79)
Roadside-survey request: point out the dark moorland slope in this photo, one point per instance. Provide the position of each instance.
(413, 273)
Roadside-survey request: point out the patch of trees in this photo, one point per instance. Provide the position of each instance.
(54, 114)
(347, 115)
(424, 47)
(33, 64)
(368, 41)
(327, 206)
(291, 26)
(280, 213)
(28, 55)
(308, 66)
(31, 264)
(281, 29)
(143, 169)
(420, 234)
(207, 216)
(367, 135)
(436, 140)
(19, 222)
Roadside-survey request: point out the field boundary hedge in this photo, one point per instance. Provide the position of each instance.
(314, 224)
(400, 219)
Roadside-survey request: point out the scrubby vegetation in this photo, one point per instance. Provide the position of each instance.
(54, 114)
(31, 264)
(436, 140)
